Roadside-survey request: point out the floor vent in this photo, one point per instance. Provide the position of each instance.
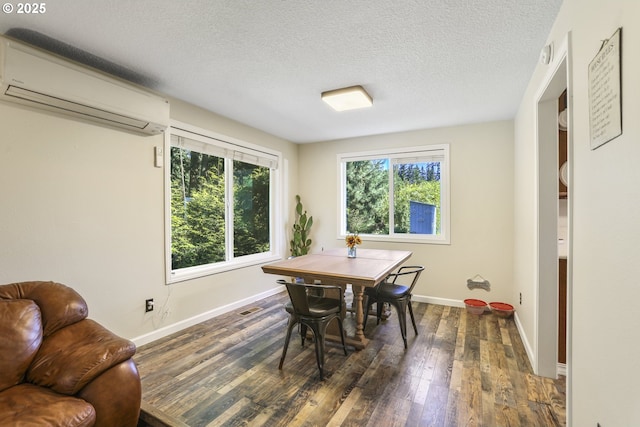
(250, 310)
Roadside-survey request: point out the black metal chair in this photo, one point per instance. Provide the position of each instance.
(312, 307)
(395, 294)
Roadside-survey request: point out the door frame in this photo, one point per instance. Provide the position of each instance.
(546, 269)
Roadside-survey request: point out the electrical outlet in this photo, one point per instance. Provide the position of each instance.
(148, 305)
(520, 298)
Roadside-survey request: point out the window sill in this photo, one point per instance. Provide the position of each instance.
(411, 238)
(190, 273)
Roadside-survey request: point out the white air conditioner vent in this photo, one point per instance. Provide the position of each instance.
(39, 79)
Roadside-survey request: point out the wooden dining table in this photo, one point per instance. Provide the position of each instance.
(333, 267)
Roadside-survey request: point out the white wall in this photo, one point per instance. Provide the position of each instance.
(83, 205)
(481, 206)
(604, 366)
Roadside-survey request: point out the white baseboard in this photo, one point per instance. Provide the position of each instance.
(438, 301)
(525, 341)
(178, 326)
(561, 369)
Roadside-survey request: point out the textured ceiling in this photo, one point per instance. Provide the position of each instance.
(265, 62)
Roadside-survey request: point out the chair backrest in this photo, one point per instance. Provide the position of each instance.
(407, 274)
(301, 294)
(298, 296)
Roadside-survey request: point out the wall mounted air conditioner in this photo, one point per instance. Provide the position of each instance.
(39, 79)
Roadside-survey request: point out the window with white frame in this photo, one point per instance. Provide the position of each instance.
(221, 204)
(396, 195)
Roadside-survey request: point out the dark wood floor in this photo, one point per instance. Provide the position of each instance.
(462, 370)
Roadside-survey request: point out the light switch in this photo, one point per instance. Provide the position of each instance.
(159, 152)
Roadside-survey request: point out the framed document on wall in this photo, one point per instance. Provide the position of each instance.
(605, 95)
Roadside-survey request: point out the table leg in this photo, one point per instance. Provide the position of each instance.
(358, 294)
(358, 340)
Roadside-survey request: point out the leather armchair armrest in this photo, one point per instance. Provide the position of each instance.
(116, 395)
(73, 356)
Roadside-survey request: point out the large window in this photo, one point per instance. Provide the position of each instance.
(221, 204)
(396, 195)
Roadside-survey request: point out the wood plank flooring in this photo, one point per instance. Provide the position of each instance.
(462, 370)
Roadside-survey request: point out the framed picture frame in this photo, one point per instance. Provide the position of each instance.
(605, 92)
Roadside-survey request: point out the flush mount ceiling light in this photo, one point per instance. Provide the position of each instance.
(348, 98)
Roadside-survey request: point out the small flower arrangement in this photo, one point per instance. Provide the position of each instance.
(353, 240)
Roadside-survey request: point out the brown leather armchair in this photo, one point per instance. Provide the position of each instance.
(58, 368)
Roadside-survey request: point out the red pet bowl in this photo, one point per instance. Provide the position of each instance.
(475, 306)
(501, 309)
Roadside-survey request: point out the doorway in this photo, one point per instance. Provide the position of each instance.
(548, 321)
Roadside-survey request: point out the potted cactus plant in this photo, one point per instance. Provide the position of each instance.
(300, 243)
